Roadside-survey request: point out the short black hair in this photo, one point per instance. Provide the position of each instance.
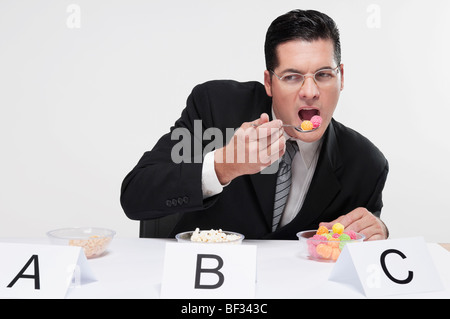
(307, 25)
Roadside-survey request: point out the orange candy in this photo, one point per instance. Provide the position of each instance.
(307, 125)
(335, 253)
(333, 242)
(322, 230)
(324, 250)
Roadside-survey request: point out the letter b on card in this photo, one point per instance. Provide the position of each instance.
(209, 271)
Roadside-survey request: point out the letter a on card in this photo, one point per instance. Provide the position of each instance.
(40, 271)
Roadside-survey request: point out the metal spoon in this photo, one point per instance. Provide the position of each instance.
(297, 128)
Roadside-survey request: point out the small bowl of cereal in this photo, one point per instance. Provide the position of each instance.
(93, 240)
(210, 236)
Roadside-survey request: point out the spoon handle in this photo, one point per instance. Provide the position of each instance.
(298, 129)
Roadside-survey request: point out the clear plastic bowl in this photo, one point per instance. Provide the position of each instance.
(323, 250)
(93, 240)
(186, 238)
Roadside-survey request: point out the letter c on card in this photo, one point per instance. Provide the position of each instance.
(386, 271)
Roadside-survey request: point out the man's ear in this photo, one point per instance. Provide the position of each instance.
(342, 76)
(268, 83)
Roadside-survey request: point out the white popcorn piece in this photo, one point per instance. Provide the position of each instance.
(212, 236)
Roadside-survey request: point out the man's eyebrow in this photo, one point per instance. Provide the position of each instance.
(291, 70)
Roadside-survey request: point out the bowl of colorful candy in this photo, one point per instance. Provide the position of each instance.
(326, 244)
(93, 240)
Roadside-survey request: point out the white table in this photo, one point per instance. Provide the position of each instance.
(133, 268)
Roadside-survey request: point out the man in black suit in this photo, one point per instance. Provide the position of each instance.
(206, 174)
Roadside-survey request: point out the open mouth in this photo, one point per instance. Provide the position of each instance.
(307, 113)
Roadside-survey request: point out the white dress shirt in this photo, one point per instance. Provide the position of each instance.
(303, 168)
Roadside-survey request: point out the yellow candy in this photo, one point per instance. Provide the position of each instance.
(307, 126)
(338, 228)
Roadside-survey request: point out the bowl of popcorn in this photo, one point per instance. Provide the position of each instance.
(326, 244)
(93, 240)
(210, 236)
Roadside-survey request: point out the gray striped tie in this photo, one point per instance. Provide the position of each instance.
(283, 183)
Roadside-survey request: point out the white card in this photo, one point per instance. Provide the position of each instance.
(41, 271)
(209, 271)
(387, 267)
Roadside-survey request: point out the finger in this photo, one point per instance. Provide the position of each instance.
(374, 230)
(348, 220)
(368, 231)
(281, 149)
(265, 137)
(266, 132)
(264, 118)
(273, 152)
(368, 225)
(330, 224)
(375, 237)
(277, 124)
(351, 221)
(265, 149)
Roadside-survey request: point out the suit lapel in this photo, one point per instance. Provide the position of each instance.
(264, 184)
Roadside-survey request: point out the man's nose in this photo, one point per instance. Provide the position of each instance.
(309, 89)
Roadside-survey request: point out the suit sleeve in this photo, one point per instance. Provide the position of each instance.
(375, 203)
(167, 179)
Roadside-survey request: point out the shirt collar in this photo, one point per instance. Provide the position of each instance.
(306, 150)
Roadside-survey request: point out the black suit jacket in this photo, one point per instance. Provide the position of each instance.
(351, 172)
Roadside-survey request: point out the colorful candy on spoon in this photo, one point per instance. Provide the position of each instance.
(306, 126)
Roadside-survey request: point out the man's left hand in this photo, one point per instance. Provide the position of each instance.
(362, 221)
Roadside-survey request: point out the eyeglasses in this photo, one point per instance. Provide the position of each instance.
(322, 78)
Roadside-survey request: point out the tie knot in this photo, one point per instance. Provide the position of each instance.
(291, 149)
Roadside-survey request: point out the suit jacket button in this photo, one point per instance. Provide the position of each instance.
(168, 203)
(180, 201)
(174, 202)
(186, 199)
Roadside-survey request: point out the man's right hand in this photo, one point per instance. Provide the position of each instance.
(254, 146)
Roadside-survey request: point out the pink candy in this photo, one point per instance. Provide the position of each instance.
(316, 120)
(313, 243)
(319, 237)
(351, 233)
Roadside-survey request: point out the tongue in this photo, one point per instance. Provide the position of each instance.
(306, 115)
